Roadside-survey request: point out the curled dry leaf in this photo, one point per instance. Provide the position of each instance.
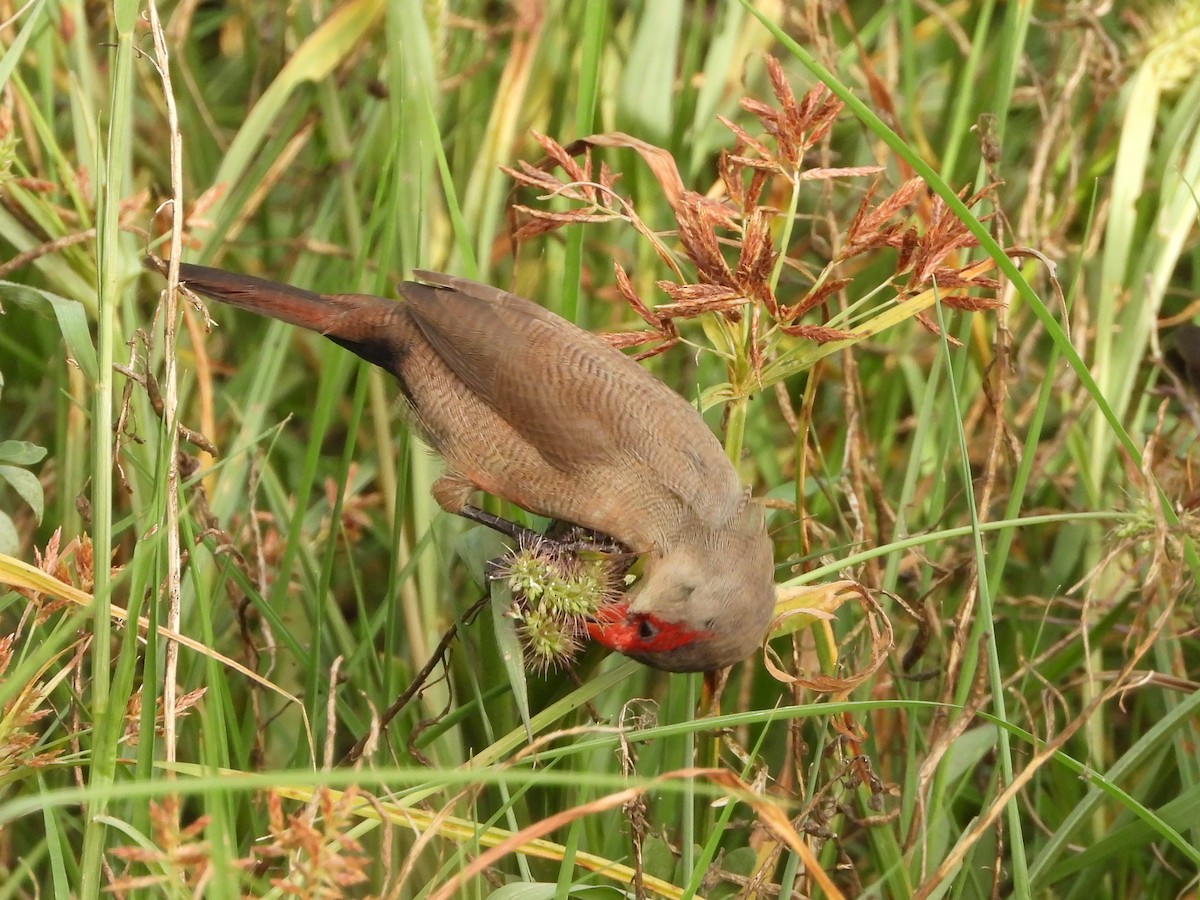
(818, 603)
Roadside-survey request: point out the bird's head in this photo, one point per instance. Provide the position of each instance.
(700, 605)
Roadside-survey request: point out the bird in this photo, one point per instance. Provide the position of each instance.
(526, 406)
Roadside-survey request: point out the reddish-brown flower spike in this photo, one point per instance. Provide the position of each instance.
(731, 178)
(745, 139)
(779, 84)
(532, 176)
(814, 298)
(819, 333)
(907, 247)
(623, 340)
(699, 242)
(757, 259)
(625, 286)
(555, 151)
(608, 178)
(971, 302)
(695, 299)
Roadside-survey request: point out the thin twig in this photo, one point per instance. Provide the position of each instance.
(415, 686)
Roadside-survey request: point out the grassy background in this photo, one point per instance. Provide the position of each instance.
(1015, 492)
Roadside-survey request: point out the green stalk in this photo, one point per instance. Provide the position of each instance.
(107, 718)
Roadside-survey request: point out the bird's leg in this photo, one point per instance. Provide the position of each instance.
(561, 535)
(519, 533)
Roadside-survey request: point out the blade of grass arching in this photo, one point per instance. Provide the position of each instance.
(985, 624)
(58, 847)
(505, 632)
(413, 92)
(61, 277)
(1107, 785)
(1120, 234)
(989, 245)
(958, 127)
(594, 32)
(715, 80)
(34, 23)
(1176, 721)
(1123, 838)
(646, 94)
(933, 538)
(71, 319)
(483, 196)
(316, 57)
(566, 869)
(107, 711)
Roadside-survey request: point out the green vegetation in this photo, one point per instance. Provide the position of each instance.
(921, 304)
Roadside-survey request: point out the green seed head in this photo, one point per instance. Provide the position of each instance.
(554, 593)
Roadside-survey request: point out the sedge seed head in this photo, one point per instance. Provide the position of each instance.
(549, 642)
(554, 593)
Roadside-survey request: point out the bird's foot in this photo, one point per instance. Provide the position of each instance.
(578, 539)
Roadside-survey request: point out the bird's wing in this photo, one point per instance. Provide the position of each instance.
(580, 402)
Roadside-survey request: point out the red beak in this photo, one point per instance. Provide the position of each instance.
(618, 629)
(612, 628)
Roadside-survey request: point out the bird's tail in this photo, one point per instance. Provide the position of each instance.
(293, 305)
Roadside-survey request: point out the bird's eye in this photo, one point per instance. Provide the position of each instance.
(647, 630)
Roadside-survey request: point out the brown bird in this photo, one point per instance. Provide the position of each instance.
(524, 405)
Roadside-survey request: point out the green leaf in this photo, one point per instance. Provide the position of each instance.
(20, 453)
(9, 542)
(510, 648)
(33, 23)
(72, 322)
(26, 484)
